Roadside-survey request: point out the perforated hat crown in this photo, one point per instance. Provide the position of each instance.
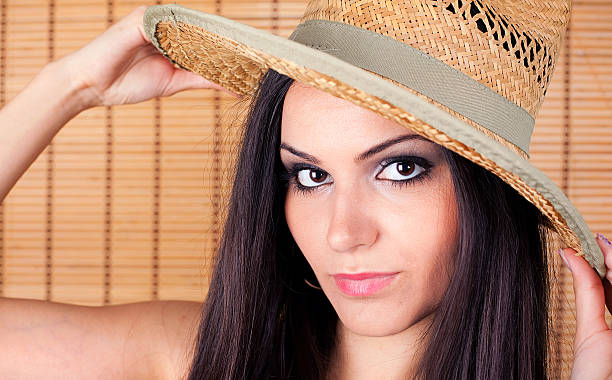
(468, 75)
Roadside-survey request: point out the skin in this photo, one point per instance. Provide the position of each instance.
(358, 220)
(153, 339)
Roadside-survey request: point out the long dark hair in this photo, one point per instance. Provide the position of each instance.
(260, 320)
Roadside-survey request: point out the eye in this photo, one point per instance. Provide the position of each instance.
(401, 170)
(312, 178)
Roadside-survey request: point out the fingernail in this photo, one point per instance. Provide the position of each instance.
(601, 237)
(560, 252)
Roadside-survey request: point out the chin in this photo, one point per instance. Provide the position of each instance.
(366, 319)
(375, 323)
(375, 329)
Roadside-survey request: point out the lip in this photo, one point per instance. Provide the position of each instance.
(363, 284)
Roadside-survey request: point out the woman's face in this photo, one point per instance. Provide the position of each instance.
(371, 205)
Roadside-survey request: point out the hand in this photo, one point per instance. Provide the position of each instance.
(122, 66)
(593, 341)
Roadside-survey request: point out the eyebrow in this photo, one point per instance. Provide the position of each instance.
(363, 156)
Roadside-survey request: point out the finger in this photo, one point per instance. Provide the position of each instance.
(589, 295)
(135, 17)
(186, 80)
(608, 292)
(121, 37)
(138, 15)
(606, 249)
(127, 31)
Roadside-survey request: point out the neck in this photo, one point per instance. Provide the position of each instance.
(371, 357)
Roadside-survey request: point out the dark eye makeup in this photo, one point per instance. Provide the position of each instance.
(289, 176)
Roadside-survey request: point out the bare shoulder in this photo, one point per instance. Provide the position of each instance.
(152, 340)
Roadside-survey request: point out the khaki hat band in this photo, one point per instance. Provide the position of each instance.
(421, 72)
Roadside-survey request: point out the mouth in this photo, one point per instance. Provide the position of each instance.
(363, 284)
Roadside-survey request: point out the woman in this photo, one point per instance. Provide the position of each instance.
(322, 202)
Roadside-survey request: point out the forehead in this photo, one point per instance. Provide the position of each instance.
(304, 103)
(312, 117)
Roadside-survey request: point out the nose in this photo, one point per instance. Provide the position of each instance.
(351, 225)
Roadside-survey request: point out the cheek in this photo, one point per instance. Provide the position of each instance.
(306, 223)
(431, 237)
(424, 222)
(421, 235)
(424, 232)
(442, 241)
(293, 211)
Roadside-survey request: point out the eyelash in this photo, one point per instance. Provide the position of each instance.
(289, 176)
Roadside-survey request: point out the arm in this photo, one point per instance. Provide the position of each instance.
(29, 122)
(89, 77)
(47, 340)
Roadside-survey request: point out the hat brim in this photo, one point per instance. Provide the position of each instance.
(263, 50)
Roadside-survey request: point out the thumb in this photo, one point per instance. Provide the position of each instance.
(589, 295)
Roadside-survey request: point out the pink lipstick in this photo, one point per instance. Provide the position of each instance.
(363, 284)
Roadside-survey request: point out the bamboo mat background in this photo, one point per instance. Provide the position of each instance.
(125, 205)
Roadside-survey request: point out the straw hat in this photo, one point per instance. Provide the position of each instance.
(469, 75)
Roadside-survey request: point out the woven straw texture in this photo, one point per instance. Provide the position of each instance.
(127, 203)
(497, 44)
